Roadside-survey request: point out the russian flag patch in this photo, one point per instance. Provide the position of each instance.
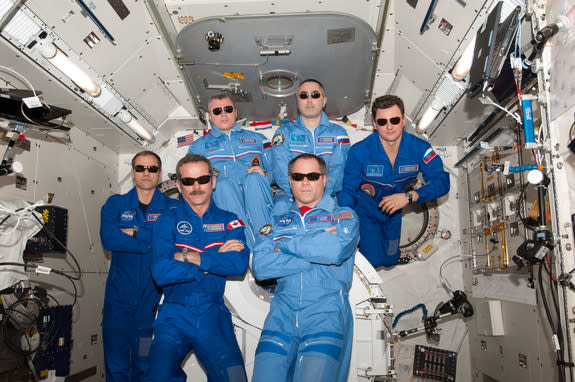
(429, 155)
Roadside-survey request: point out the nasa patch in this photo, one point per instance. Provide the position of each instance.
(278, 139)
(285, 220)
(184, 228)
(128, 216)
(374, 170)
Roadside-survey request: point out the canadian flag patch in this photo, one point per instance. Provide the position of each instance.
(236, 224)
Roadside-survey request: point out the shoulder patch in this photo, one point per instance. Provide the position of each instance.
(278, 139)
(368, 189)
(344, 215)
(265, 230)
(267, 144)
(429, 155)
(236, 224)
(342, 140)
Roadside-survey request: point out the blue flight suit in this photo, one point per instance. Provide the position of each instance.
(328, 140)
(247, 195)
(369, 177)
(193, 314)
(131, 294)
(308, 333)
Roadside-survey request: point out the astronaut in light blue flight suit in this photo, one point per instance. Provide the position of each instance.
(311, 133)
(240, 158)
(131, 294)
(195, 247)
(309, 247)
(379, 170)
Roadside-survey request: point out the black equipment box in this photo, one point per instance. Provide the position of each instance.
(53, 237)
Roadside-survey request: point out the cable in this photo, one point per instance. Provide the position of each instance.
(444, 281)
(491, 102)
(21, 76)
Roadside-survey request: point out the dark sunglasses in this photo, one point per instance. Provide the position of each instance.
(201, 180)
(315, 95)
(312, 176)
(142, 168)
(218, 110)
(392, 120)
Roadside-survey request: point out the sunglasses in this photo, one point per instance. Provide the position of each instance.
(312, 176)
(315, 95)
(142, 168)
(218, 110)
(392, 120)
(200, 179)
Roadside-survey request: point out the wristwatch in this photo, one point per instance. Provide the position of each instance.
(409, 197)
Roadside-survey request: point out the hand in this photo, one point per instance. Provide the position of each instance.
(130, 231)
(232, 245)
(189, 257)
(257, 169)
(392, 203)
(331, 229)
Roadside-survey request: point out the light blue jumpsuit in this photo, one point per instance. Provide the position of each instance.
(131, 294)
(307, 335)
(193, 314)
(369, 177)
(247, 195)
(328, 140)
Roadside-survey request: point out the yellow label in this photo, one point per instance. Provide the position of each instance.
(235, 75)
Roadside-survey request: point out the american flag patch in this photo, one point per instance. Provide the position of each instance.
(236, 224)
(341, 140)
(186, 140)
(344, 215)
(429, 155)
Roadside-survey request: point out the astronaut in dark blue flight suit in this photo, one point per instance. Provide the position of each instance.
(311, 133)
(195, 248)
(309, 247)
(131, 294)
(240, 159)
(377, 174)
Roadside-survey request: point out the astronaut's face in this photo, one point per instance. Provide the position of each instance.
(196, 194)
(223, 114)
(305, 191)
(389, 124)
(146, 172)
(314, 101)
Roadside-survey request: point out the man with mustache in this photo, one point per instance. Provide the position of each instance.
(195, 248)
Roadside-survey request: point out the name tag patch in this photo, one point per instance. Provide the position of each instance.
(248, 141)
(214, 227)
(321, 218)
(321, 140)
(408, 168)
